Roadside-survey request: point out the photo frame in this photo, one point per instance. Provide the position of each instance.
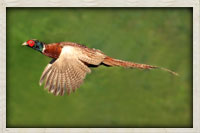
(110, 3)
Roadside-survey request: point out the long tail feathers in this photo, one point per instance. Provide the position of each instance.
(165, 69)
(115, 62)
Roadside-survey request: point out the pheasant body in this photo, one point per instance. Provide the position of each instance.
(71, 62)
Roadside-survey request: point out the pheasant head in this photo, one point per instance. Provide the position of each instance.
(35, 44)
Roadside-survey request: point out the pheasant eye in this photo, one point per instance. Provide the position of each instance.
(31, 43)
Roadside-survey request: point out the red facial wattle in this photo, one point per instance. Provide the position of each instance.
(31, 43)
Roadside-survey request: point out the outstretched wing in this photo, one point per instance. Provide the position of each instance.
(85, 54)
(68, 71)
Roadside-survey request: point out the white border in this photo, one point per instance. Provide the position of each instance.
(103, 3)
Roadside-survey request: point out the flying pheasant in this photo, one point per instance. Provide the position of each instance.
(71, 62)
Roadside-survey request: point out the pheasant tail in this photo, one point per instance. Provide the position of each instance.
(115, 62)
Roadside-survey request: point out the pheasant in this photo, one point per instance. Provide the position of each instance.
(71, 62)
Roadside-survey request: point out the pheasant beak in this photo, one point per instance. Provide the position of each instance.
(24, 44)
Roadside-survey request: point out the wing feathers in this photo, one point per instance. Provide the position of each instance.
(67, 76)
(72, 78)
(62, 86)
(68, 86)
(56, 83)
(46, 70)
(50, 74)
(66, 73)
(52, 81)
(91, 56)
(79, 75)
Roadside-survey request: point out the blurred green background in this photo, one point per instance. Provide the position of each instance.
(109, 97)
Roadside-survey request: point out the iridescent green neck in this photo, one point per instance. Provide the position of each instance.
(38, 46)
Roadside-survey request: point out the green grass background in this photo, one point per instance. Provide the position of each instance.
(109, 97)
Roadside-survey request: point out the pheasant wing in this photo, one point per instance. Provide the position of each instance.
(65, 73)
(86, 55)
